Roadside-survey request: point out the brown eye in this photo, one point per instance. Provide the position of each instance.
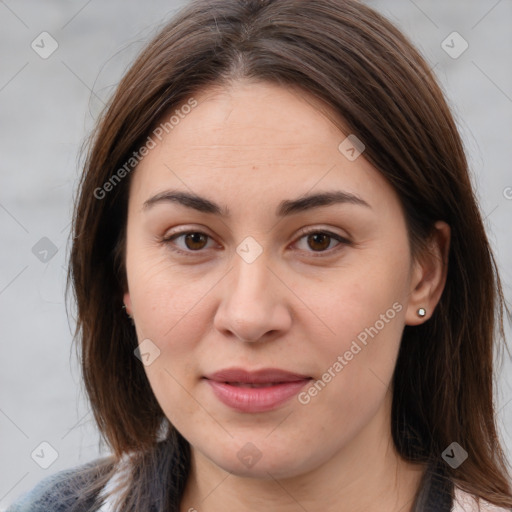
(319, 241)
(190, 241)
(195, 241)
(316, 242)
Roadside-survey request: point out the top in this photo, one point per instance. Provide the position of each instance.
(55, 493)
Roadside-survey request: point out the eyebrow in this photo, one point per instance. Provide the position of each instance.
(285, 208)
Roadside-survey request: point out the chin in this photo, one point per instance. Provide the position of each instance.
(267, 464)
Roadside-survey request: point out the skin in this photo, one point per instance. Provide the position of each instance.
(248, 147)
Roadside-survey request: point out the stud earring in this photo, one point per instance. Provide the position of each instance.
(422, 312)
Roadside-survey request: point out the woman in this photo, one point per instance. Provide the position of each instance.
(286, 297)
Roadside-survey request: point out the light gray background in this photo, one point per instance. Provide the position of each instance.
(47, 107)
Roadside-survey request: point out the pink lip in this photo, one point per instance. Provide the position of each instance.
(247, 399)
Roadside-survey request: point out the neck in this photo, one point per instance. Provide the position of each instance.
(369, 475)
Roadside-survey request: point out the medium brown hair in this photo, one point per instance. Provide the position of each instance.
(364, 69)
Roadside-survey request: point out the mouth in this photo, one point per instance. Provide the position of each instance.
(252, 384)
(255, 391)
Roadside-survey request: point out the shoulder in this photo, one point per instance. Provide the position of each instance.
(465, 502)
(60, 491)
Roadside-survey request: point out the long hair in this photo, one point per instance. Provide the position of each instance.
(358, 64)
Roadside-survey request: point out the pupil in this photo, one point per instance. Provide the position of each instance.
(315, 238)
(195, 238)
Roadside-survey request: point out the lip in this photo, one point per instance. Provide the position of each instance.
(230, 387)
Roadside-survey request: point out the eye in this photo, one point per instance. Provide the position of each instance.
(320, 241)
(194, 241)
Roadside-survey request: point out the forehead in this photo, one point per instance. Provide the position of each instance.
(252, 136)
(247, 116)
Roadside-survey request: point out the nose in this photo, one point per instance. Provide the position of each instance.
(253, 304)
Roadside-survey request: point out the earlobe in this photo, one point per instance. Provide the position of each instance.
(127, 303)
(429, 276)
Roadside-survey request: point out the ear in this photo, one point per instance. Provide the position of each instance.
(428, 276)
(128, 303)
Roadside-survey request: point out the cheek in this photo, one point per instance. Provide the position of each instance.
(367, 330)
(168, 311)
(164, 296)
(365, 297)
(355, 370)
(365, 313)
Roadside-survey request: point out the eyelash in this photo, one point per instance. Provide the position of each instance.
(303, 233)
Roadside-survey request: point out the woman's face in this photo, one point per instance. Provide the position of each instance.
(267, 279)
